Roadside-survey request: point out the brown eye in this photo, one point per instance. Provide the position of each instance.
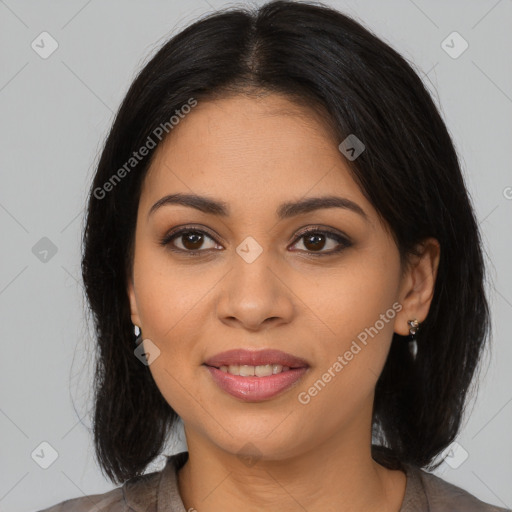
(315, 240)
(192, 240)
(189, 240)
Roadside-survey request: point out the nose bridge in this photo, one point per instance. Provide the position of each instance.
(252, 268)
(253, 292)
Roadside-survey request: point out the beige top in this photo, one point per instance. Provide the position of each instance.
(158, 492)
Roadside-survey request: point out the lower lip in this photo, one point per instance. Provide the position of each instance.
(255, 389)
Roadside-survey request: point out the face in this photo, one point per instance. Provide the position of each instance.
(321, 284)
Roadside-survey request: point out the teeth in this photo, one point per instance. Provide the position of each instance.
(264, 370)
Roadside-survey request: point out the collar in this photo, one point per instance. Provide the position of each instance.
(157, 491)
(415, 497)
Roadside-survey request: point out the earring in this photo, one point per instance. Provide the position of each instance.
(138, 335)
(414, 325)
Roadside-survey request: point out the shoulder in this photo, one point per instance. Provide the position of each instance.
(112, 501)
(443, 496)
(139, 494)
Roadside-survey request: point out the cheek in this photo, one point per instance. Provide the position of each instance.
(166, 293)
(355, 299)
(356, 308)
(173, 304)
(175, 325)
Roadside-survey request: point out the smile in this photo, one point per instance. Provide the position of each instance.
(251, 388)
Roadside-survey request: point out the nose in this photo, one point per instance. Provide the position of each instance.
(255, 296)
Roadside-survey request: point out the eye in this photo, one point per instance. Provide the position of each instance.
(314, 240)
(191, 240)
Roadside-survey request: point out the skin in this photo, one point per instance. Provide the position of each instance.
(254, 154)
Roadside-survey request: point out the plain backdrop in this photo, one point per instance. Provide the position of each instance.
(55, 113)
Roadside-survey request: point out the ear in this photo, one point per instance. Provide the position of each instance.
(418, 283)
(134, 313)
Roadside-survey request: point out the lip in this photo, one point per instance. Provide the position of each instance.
(256, 389)
(256, 358)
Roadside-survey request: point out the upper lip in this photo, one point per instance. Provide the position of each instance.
(255, 358)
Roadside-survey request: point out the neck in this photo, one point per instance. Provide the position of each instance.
(338, 472)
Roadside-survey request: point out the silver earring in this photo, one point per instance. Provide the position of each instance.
(138, 335)
(414, 325)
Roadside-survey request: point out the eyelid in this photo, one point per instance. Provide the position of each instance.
(323, 229)
(189, 227)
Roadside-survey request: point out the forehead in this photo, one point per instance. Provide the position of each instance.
(251, 151)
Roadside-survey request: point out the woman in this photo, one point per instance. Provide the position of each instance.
(280, 250)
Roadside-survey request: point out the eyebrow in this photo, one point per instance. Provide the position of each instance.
(285, 210)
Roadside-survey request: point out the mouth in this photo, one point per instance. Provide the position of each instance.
(255, 375)
(260, 363)
(245, 370)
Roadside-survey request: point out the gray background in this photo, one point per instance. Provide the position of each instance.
(55, 113)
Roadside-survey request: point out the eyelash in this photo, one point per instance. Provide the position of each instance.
(343, 241)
